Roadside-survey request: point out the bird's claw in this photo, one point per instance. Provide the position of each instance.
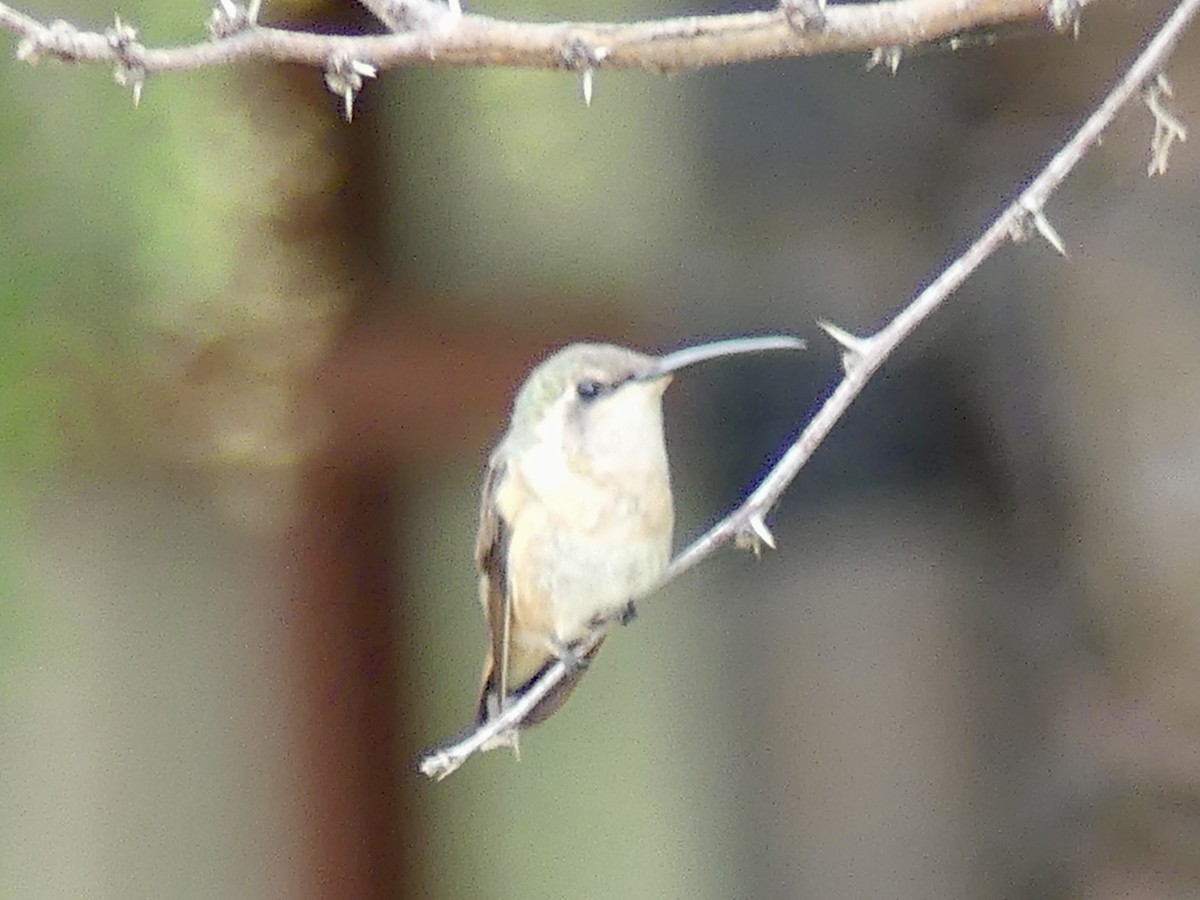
(622, 615)
(572, 660)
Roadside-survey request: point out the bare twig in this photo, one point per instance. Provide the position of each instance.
(436, 38)
(862, 357)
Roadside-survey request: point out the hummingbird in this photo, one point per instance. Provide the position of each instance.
(576, 516)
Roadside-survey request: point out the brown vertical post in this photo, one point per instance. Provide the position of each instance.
(345, 664)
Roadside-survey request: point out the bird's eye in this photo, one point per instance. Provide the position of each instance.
(590, 389)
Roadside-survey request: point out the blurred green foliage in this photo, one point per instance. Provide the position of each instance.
(115, 226)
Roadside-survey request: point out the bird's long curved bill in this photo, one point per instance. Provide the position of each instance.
(680, 359)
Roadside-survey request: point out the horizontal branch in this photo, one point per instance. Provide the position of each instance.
(453, 39)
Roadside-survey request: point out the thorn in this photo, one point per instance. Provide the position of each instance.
(1046, 230)
(587, 80)
(121, 36)
(763, 532)
(844, 338)
(228, 18)
(344, 77)
(853, 348)
(887, 56)
(132, 77)
(804, 15)
(1035, 215)
(579, 56)
(123, 39)
(1066, 14)
(754, 536)
(1167, 127)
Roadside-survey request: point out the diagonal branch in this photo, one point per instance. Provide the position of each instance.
(438, 35)
(861, 358)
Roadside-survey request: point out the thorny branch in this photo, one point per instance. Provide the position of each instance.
(861, 358)
(431, 33)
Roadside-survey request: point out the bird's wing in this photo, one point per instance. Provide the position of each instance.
(491, 558)
(504, 661)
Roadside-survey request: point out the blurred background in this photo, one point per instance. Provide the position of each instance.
(253, 361)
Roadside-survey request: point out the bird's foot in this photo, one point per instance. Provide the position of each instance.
(572, 660)
(622, 615)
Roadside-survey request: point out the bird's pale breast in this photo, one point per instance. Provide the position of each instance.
(585, 551)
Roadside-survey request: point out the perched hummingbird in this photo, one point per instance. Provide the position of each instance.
(576, 517)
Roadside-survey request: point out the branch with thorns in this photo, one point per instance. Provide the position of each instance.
(863, 356)
(433, 33)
